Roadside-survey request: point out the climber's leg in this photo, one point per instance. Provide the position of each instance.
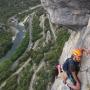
(63, 76)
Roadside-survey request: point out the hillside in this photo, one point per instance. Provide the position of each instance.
(5, 40)
(32, 65)
(9, 8)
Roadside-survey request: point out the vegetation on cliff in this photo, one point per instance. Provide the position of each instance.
(5, 66)
(5, 42)
(9, 8)
(49, 53)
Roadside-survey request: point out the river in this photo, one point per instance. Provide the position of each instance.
(16, 42)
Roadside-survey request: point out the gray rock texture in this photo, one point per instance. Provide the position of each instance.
(74, 14)
(77, 40)
(71, 13)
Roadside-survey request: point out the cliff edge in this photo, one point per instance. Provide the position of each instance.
(75, 15)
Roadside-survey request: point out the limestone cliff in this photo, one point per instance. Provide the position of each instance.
(74, 14)
(68, 12)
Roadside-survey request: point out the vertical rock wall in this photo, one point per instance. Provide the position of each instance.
(74, 14)
(77, 40)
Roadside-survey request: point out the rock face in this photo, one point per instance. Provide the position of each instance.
(54, 87)
(74, 14)
(76, 40)
(71, 13)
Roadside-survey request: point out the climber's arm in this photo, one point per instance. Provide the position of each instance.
(77, 85)
(58, 68)
(86, 51)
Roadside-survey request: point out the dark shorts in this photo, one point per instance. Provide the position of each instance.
(70, 66)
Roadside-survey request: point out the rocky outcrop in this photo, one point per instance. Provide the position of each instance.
(79, 39)
(74, 14)
(71, 13)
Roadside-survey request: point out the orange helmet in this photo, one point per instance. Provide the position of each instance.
(77, 52)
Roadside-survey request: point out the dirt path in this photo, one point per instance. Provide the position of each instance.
(29, 18)
(25, 64)
(17, 72)
(30, 8)
(34, 75)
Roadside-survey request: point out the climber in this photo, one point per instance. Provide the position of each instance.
(70, 69)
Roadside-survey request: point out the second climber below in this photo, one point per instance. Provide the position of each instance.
(70, 69)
